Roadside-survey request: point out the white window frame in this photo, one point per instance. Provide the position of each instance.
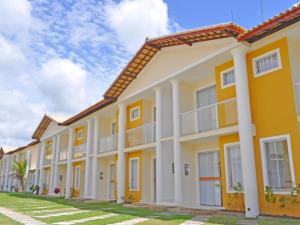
(277, 51)
(227, 169)
(138, 177)
(139, 114)
(79, 171)
(264, 161)
(222, 76)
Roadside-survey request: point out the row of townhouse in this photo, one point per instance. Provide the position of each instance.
(205, 118)
(8, 176)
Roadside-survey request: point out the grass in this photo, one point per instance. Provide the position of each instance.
(7, 221)
(30, 205)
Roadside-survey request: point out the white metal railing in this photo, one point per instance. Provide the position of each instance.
(79, 151)
(63, 155)
(48, 159)
(108, 143)
(141, 135)
(210, 117)
(297, 95)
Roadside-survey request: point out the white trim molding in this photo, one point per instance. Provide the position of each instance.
(223, 86)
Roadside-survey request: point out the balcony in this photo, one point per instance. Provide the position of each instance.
(79, 151)
(210, 117)
(141, 135)
(108, 143)
(63, 155)
(48, 159)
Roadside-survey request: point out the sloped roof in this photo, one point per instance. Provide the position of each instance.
(46, 120)
(152, 46)
(7, 149)
(99, 105)
(272, 25)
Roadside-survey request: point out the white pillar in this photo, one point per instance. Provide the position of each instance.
(69, 163)
(37, 167)
(121, 154)
(15, 180)
(6, 181)
(2, 173)
(177, 146)
(57, 149)
(42, 160)
(88, 159)
(159, 160)
(95, 159)
(245, 132)
(51, 183)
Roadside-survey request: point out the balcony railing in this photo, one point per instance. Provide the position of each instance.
(79, 151)
(209, 117)
(141, 135)
(108, 143)
(63, 155)
(48, 159)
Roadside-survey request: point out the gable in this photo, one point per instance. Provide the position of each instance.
(170, 60)
(52, 127)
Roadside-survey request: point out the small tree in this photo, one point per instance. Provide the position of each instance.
(21, 169)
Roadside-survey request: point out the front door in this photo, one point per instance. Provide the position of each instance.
(209, 178)
(206, 109)
(76, 183)
(112, 181)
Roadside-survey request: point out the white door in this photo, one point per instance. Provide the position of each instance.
(209, 178)
(112, 181)
(206, 109)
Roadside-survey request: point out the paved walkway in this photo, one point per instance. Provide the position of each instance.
(23, 219)
(87, 219)
(131, 222)
(62, 214)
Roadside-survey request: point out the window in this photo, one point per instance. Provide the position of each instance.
(278, 169)
(79, 134)
(234, 175)
(227, 78)
(134, 113)
(266, 63)
(77, 178)
(134, 174)
(154, 114)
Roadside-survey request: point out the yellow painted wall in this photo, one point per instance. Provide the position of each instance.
(82, 140)
(137, 122)
(49, 147)
(46, 189)
(274, 113)
(133, 196)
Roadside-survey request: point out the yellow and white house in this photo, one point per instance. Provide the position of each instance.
(206, 118)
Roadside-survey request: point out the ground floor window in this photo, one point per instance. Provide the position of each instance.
(278, 169)
(134, 174)
(234, 175)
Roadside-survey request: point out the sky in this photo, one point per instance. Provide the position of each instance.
(59, 56)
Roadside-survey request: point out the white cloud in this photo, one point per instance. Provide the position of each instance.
(134, 20)
(63, 84)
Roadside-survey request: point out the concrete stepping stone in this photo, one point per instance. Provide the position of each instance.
(62, 214)
(23, 219)
(53, 210)
(197, 220)
(247, 222)
(87, 219)
(132, 221)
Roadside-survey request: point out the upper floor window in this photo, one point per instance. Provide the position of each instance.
(277, 163)
(227, 78)
(267, 63)
(134, 113)
(234, 174)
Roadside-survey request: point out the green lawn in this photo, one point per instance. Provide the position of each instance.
(36, 206)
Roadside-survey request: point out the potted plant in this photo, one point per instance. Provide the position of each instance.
(57, 190)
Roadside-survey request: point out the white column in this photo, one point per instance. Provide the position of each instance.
(6, 173)
(57, 149)
(177, 146)
(69, 163)
(51, 184)
(121, 154)
(245, 132)
(2, 173)
(159, 162)
(15, 180)
(88, 159)
(42, 160)
(95, 159)
(37, 167)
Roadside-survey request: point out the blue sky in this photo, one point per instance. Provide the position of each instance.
(59, 56)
